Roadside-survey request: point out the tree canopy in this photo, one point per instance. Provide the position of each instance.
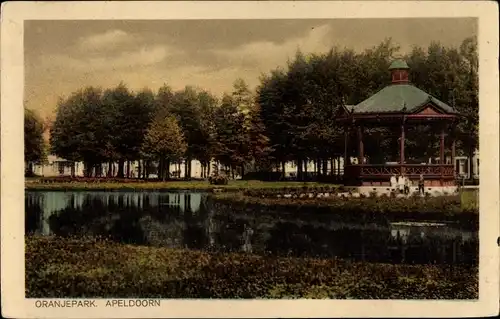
(290, 116)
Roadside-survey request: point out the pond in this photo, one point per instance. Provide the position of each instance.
(189, 220)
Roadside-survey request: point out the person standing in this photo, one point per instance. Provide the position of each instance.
(401, 183)
(394, 181)
(406, 185)
(421, 184)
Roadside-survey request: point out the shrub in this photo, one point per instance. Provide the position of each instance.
(218, 180)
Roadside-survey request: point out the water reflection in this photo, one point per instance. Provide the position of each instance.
(188, 220)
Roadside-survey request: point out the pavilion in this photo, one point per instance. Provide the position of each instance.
(398, 106)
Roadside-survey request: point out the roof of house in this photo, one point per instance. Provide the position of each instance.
(404, 98)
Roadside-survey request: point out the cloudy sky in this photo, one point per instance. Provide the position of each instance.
(63, 56)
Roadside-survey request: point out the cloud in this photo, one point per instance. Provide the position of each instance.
(142, 57)
(267, 54)
(104, 40)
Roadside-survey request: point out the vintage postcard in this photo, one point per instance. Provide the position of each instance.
(249, 159)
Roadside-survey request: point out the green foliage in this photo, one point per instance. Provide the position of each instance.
(82, 128)
(231, 146)
(218, 180)
(299, 104)
(451, 75)
(34, 143)
(290, 117)
(164, 138)
(91, 268)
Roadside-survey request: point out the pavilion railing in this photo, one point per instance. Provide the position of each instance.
(387, 170)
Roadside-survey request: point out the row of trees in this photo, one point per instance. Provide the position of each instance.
(117, 125)
(290, 116)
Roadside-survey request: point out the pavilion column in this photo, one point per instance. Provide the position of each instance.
(441, 155)
(453, 142)
(361, 152)
(346, 138)
(402, 148)
(453, 153)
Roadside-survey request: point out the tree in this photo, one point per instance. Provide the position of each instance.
(144, 109)
(126, 121)
(270, 99)
(232, 145)
(34, 143)
(185, 107)
(204, 150)
(81, 130)
(164, 141)
(259, 144)
(242, 97)
(450, 74)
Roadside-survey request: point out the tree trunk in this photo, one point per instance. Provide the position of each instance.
(299, 169)
(167, 168)
(305, 169)
(86, 169)
(325, 167)
(110, 169)
(242, 170)
(121, 163)
(283, 175)
(162, 166)
(338, 166)
(139, 169)
(128, 169)
(146, 169)
(30, 171)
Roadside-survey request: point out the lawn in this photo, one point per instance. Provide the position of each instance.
(469, 198)
(73, 268)
(34, 184)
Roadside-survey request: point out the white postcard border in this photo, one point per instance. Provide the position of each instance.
(14, 14)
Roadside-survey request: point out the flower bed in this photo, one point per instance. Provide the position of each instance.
(72, 268)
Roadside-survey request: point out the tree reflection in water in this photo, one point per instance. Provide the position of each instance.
(188, 220)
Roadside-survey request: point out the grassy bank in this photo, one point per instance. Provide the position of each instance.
(233, 185)
(89, 268)
(443, 208)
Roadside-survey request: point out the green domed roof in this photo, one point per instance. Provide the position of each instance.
(404, 98)
(398, 64)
